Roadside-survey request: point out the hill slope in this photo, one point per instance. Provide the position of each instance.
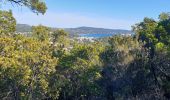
(23, 28)
(86, 30)
(79, 30)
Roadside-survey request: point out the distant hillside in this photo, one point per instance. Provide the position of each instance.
(23, 28)
(86, 30)
(79, 30)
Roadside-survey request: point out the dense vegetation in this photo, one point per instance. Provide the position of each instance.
(50, 65)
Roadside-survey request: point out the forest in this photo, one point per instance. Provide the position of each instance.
(48, 65)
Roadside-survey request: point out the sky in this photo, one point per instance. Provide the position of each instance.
(112, 14)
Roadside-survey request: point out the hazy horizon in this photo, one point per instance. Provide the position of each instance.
(74, 27)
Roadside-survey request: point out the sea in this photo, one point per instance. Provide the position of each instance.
(96, 35)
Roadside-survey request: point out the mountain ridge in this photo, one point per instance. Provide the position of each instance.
(78, 30)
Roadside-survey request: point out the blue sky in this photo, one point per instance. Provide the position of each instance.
(114, 14)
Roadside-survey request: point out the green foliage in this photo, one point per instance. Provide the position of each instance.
(60, 38)
(37, 6)
(155, 36)
(118, 58)
(41, 32)
(25, 64)
(7, 23)
(164, 16)
(81, 69)
(120, 49)
(145, 31)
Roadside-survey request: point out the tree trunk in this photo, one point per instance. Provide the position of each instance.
(152, 67)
